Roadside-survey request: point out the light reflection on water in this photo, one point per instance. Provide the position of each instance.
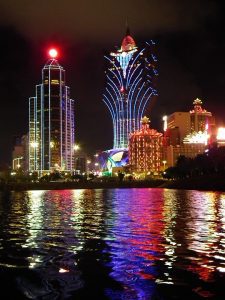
(113, 244)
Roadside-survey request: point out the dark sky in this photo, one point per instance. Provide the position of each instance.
(190, 38)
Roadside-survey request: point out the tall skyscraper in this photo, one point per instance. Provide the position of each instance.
(51, 121)
(130, 74)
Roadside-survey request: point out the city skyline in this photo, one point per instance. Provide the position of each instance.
(189, 47)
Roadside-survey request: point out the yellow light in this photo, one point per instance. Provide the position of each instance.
(34, 144)
(165, 123)
(76, 147)
(221, 133)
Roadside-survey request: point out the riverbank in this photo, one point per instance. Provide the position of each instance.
(204, 183)
(81, 185)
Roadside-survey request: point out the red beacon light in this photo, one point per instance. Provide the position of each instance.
(53, 53)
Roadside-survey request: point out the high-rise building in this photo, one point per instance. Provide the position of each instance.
(146, 149)
(201, 119)
(51, 121)
(188, 133)
(130, 74)
(20, 154)
(180, 125)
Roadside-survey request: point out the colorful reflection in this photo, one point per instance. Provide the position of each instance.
(114, 244)
(136, 241)
(202, 236)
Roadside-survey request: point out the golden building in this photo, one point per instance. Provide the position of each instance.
(145, 149)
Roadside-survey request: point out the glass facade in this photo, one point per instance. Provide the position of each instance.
(51, 122)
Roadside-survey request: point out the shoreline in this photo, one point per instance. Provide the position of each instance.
(80, 185)
(204, 183)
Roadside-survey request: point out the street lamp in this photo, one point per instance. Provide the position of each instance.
(76, 147)
(17, 162)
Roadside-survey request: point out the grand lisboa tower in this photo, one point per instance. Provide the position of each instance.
(129, 88)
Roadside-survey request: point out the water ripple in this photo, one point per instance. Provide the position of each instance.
(113, 244)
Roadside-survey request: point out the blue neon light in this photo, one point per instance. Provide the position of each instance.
(129, 89)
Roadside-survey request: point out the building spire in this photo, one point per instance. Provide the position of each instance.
(127, 28)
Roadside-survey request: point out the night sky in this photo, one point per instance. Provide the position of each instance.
(190, 38)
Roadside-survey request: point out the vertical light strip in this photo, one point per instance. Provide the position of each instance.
(61, 111)
(29, 152)
(66, 128)
(49, 116)
(41, 126)
(71, 133)
(35, 133)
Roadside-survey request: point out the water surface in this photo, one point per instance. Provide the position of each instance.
(112, 244)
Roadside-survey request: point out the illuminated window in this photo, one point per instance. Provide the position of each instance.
(54, 81)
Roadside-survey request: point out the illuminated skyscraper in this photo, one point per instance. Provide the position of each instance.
(51, 121)
(129, 87)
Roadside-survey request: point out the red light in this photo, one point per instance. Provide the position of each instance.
(53, 53)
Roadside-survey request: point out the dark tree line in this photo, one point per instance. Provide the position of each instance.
(210, 162)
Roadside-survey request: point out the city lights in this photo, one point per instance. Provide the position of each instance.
(197, 138)
(53, 53)
(129, 88)
(221, 134)
(164, 123)
(76, 147)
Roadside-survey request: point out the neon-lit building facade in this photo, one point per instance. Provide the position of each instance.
(130, 75)
(200, 118)
(145, 149)
(113, 158)
(51, 122)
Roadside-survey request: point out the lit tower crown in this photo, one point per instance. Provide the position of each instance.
(51, 121)
(200, 118)
(129, 87)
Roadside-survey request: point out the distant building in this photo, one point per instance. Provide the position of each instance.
(180, 124)
(188, 133)
(187, 150)
(220, 137)
(51, 122)
(145, 149)
(80, 162)
(20, 154)
(200, 118)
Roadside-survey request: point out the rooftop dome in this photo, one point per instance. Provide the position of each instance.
(128, 44)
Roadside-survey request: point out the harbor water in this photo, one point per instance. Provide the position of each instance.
(112, 244)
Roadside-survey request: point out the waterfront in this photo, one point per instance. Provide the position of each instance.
(112, 244)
